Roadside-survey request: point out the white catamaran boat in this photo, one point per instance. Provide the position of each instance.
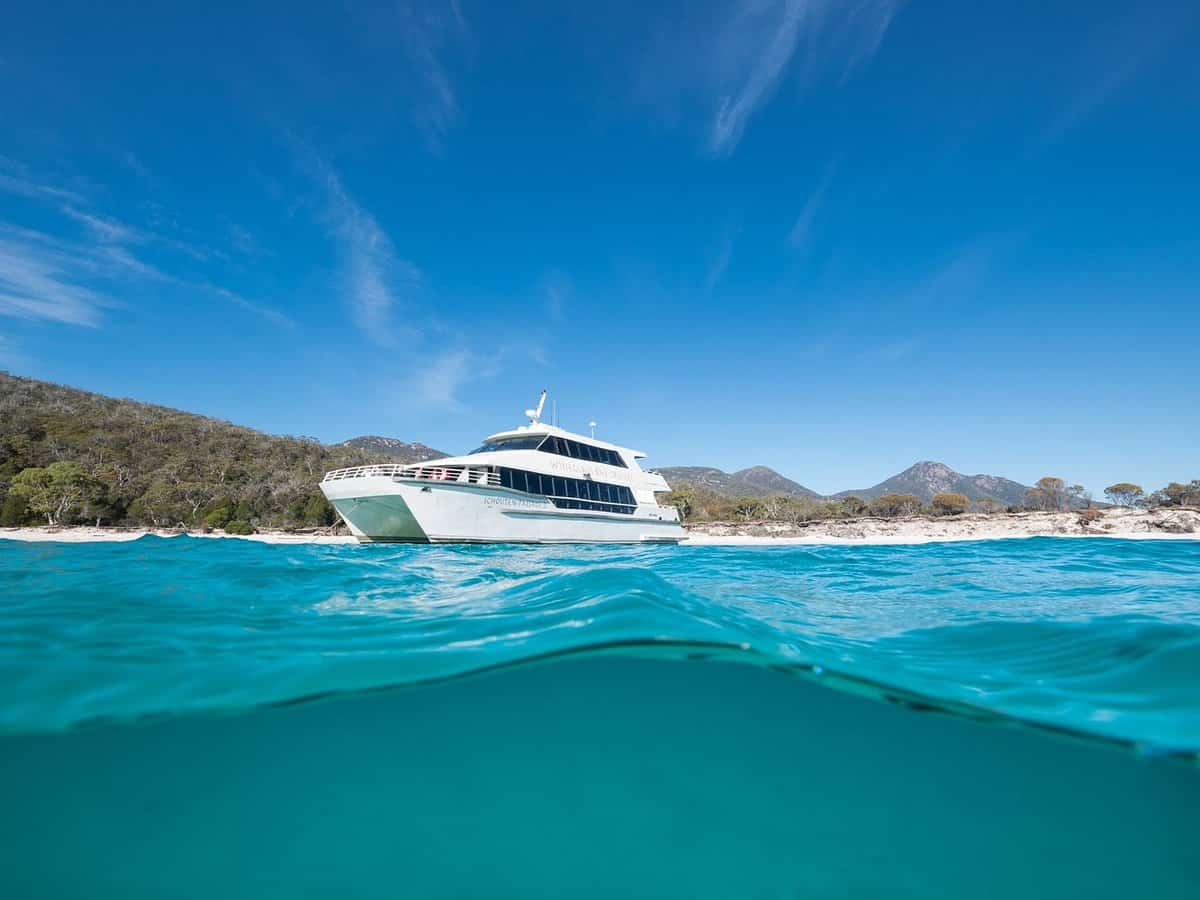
(536, 483)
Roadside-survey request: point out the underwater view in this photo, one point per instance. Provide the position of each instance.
(194, 718)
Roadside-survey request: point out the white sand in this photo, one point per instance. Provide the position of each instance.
(117, 535)
(1113, 523)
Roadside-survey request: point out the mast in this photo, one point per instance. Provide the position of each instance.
(535, 415)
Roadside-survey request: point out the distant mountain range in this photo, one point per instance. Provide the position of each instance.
(923, 479)
(393, 448)
(757, 481)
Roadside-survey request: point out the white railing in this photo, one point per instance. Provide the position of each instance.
(425, 472)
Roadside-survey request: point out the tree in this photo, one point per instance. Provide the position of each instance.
(889, 505)
(59, 491)
(1049, 494)
(162, 505)
(747, 507)
(683, 501)
(1124, 493)
(989, 505)
(950, 504)
(1177, 494)
(1078, 496)
(14, 511)
(795, 510)
(854, 506)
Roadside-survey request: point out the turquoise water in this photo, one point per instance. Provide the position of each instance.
(187, 718)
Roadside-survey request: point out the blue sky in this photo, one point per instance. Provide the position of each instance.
(832, 238)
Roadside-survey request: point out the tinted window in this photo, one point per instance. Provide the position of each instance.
(518, 443)
(571, 493)
(575, 450)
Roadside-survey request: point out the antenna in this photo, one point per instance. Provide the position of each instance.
(536, 414)
(592, 425)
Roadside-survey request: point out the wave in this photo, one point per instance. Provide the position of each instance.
(1092, 638)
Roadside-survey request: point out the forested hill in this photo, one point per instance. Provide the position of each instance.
(71, 456)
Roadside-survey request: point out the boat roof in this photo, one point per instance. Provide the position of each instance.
(541, 428)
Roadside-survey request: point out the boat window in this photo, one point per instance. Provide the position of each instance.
(579, 450)
(525, 442)
(571, 493)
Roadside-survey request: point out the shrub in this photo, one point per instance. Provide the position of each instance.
(854, 506)
(1050, 494)
(949, 504)
(748, 508)
(889, 505)
(1177, 494)
(217, 513)
(1089, 515)
(14, 511)
(238, 526)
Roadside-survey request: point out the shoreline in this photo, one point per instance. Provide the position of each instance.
(1159, 524)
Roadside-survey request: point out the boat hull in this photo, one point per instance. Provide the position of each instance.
(385, 509)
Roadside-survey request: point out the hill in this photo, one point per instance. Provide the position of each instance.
(393, 448)
(924, 479)
(75, 456)
(757, 481)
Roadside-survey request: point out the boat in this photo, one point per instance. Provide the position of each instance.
(536, 483)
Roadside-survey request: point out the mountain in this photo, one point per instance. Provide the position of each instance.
(757, 481)
(924, 479)
(393, 448)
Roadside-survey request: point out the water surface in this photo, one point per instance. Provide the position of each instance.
(1003, 718)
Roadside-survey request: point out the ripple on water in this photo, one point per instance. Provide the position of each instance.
(1096, 636)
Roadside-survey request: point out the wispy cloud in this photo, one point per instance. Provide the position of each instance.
(438, 382)
(557, 290)
(110, 231)
(265, 312)
(1112, 59)
(15, 179)
(735, 68)
(760, 42)
(720, 262)
(802, 229)
(429, 37)
(71, 279)
(373, 277)
(41, 280)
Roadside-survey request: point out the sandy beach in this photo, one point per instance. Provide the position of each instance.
(1110, 523)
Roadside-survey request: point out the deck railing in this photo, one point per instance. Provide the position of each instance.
(425, 472)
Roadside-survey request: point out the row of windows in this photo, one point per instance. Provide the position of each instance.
(570, 493)
(561, 446)
(580, 450)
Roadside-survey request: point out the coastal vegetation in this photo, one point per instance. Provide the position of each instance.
(1050, 494)
(73, 457)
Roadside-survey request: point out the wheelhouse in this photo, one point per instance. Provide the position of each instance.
(561, 446)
